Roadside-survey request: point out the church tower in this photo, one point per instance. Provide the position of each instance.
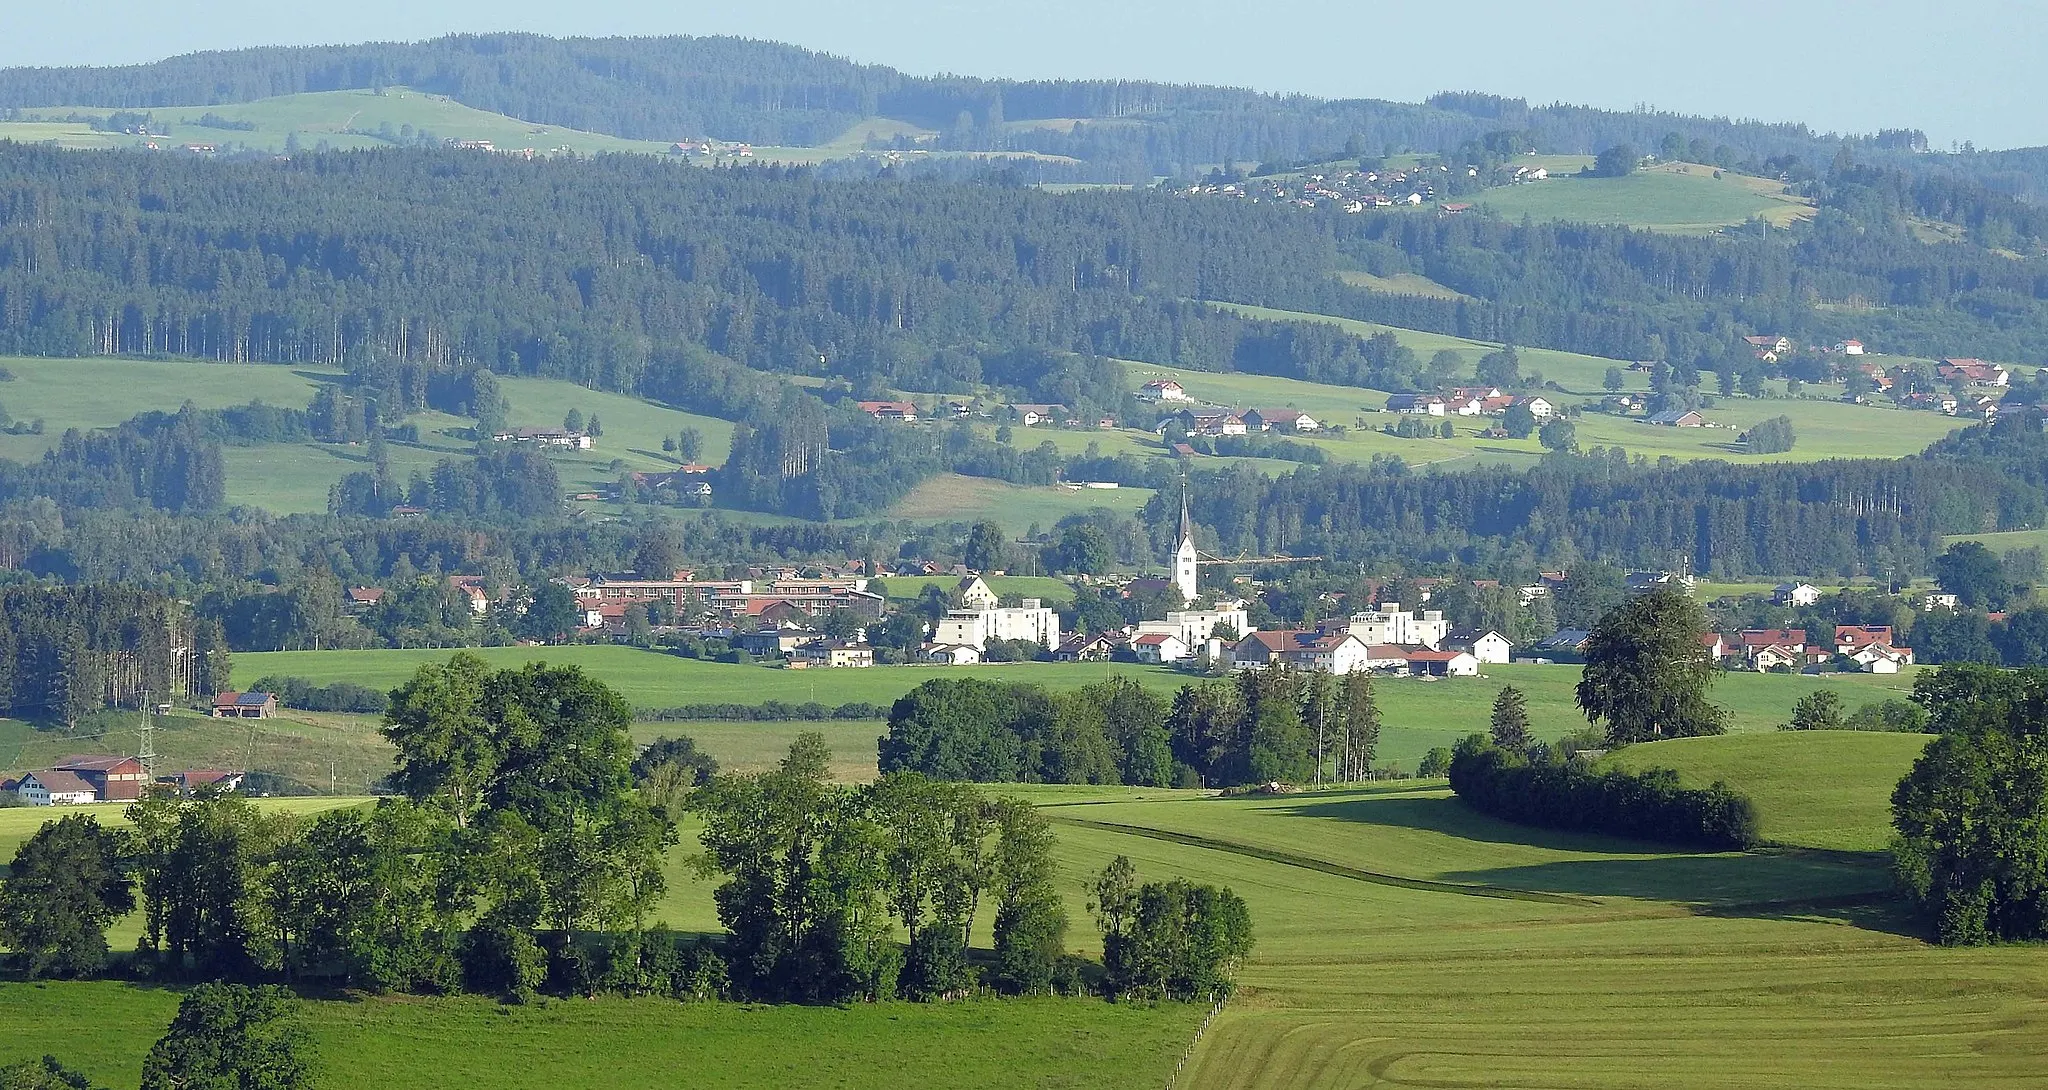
(1184, 551)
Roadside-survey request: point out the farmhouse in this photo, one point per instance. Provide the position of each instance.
(1849, 348)
(1473, 393)
(1337, 652)
(1284, 419)
(234, 705)
(113, 779)
(1974, 371)
(1795, 594)
(1080, 647)
(1033, 415)
(51, 787)
(364, 597)
(1678, 418)
(902, 411)
(546, 437)
(1442, 663)
(835, 653)
(1164, 389)
(1418, 404)
(1484, 645)
(1211, 422)
(1538, 406)
(1159, 647)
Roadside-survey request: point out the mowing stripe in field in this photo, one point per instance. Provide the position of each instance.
(1305, 862)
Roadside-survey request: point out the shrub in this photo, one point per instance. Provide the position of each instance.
(1647, 805)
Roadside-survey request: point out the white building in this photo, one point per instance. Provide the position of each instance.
(1162, 390)
(54, 788)
(974, 594)
(975, 627)
(1159, 647)
(1484, 645)
(1391, 624)
(1795, 594)
(1195, 626)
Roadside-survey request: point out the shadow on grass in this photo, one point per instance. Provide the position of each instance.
(1445, 814)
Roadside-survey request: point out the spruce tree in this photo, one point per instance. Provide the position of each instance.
(1511, 719)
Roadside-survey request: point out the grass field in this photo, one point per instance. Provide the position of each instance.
(1572, 370)
(325, 115)
(950, 497)
(1813, 789)
(1403, 940)
(2006, 540)
(1400, 284)
(1680, 198)
(100, 393)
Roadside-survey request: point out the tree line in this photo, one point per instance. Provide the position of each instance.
(66, 652)
(1258, 726)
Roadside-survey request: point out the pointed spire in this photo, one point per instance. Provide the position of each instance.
(1187, 526)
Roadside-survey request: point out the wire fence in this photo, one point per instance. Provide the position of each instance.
(1188, 1053)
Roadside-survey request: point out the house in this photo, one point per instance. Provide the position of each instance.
(1197, 626)
(973, 593)
(1080, 647)
(1442, 663)
(1030, 620)
(1773, 648)
(545, 437)
(1033, 415)
(949, 654)
(1768, 343)
(1678, 418)
(835, 654)
(1849, 348)
(1795, 594)
(471, 587)
(902, 411)
(1164, 389)
(1211, 422)
(1974, 371)
(1484, 645)
(1877, 658)
(51, 787)
(364, 597)
(1337, 652)
(1715, 646)
(193, 779)
(1418, 404)
(1182, 450)
(1293, 420)
(112, 779)
(1473, 393)
(1854, 640)
(234, 705)
(1455, 209)
(1539, 407)
(774, 641)
(1464, 406)
(1159, 648)
(1931, 602)
(1567, 641)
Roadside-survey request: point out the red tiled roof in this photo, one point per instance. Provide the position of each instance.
(1773, 637)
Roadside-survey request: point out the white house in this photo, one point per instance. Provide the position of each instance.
(1485, 645)
(1195, 626)
(1538, 406)
(975, 627)
(54, 788)
(950, 654)
(974, 594)
(1162, 390)
(1877, 658)
(1931, 602)
(1795, 594)
(1302, 649)
(1849, 348)
(1159, 647)
(1282, 419)
(1391, 624)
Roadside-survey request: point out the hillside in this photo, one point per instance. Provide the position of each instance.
(676, 88)
(1812, 789)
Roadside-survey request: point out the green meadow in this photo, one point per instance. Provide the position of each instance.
(1678, 198)
(1403, 940)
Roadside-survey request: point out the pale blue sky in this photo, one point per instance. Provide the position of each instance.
(1962, 70)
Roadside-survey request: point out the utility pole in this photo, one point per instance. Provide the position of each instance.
(145, 752)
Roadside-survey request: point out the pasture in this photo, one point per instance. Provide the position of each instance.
(950, 497)
(1402, 940)
(1675, 198)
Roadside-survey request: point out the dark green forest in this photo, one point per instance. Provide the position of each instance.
(678, 88)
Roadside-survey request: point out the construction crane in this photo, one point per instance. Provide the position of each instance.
(1203, 559)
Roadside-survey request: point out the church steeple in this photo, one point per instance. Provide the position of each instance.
(1184, 557)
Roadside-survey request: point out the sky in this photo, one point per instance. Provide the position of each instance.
(1963, 70)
